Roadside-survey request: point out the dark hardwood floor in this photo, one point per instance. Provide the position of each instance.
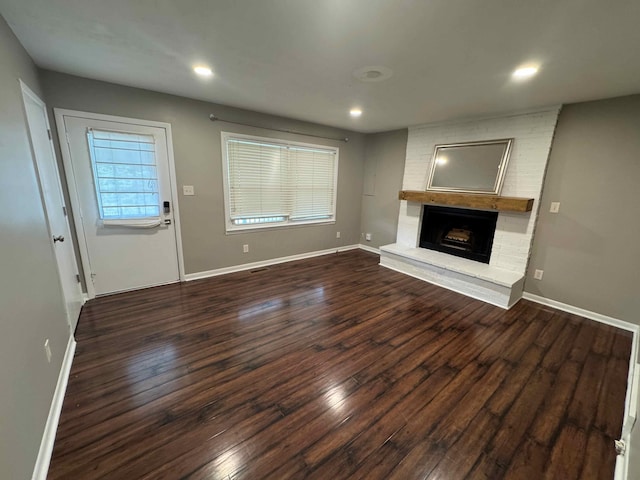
(335, 368)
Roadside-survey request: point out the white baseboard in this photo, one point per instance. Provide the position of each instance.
(265, 263)
(49, 436)
(598, 317)
(367, 248)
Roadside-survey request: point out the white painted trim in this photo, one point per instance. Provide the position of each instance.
(173, 183)
(49, 435)
(367, 248)
(75, 200)
(346, 248)
(60, 114)
(598, 317)
(230, 228)
(622, 461)
(265, 263)
(69, 296)
(630, 402)
(109, 118)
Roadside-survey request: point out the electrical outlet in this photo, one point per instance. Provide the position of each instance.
(367, 237)
(337, 234)
(555, 207)
(538, 274)
(245, 248)
(188, 190)
(47, 350)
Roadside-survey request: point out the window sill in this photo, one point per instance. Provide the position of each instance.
(232, 230)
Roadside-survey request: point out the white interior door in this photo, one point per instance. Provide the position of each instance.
(53, 201)
(122, 180)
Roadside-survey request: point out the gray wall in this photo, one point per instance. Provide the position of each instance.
(30, 292)
(197, 150)
(590, 250)
(385, 154)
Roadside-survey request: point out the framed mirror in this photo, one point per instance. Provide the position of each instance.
(472, 167)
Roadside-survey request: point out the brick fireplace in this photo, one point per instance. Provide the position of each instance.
(500, 281)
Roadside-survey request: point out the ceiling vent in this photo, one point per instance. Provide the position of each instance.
(372, 74)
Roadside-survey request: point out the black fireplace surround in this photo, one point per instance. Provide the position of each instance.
(458, 231)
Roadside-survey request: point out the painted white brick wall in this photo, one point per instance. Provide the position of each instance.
(533, 133)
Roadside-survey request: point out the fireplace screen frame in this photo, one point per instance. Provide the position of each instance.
(490, 218)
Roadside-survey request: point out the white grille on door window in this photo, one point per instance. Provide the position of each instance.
(125, 174)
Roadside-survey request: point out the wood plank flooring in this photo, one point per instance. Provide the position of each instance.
(336, 368)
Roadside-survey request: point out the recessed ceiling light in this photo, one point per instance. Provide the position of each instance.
(524, 72)
(355, 112)
(203, 71)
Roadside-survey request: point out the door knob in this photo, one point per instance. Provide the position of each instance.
(58, 238)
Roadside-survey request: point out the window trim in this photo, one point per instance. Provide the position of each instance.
(230, 227)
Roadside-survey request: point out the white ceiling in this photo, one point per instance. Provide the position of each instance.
(450, 58)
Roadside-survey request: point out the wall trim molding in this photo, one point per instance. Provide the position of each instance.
(46, 444)
(367, 248)
(598, 317)
(265, 263)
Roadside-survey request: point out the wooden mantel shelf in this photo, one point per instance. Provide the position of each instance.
(467, 200)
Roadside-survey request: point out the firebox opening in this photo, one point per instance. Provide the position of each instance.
(458, 231)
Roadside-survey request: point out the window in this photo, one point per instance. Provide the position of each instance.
(272, 183)
(125, 175)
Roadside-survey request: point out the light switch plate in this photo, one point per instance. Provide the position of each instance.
(555, 207)
(188, 190)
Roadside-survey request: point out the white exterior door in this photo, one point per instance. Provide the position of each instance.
(53, 201)
(122, 181)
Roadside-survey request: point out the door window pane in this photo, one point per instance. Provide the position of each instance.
(125, 174)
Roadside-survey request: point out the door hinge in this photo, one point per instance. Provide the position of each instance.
(49, 133)
(78, 277)
(621, 447)
(64, 210)
(66, 135)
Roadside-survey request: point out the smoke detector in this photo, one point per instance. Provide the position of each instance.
(372, 74)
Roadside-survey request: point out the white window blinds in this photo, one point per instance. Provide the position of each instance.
(125, 175)
(313, 183)
(278, 183)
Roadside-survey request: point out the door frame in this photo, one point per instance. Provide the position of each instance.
(60, 114)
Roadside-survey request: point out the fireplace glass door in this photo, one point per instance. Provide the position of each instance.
(457, 231)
